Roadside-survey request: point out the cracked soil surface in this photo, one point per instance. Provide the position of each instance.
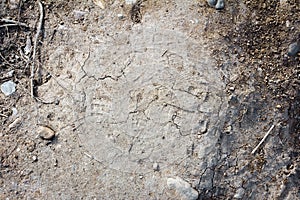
(152, 100)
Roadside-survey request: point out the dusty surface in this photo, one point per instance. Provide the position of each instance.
(156, 100)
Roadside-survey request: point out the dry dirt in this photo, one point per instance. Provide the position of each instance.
(152, 100)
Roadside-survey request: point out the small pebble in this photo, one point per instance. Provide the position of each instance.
(28, 47)
(8, 88)
(233, 100)
(294, 48)
(183, 188)
(228, 129)
(100, 3)
(79, 15)
(155, 167)
(45, 133)
(55, 162)
(34, 158)
(287, 23)
(14, 112)
(31, 146)
(232, 89)
(242, 59)
(10, 73)
(15, 123)
(203, 126)
(239, 193)
(120, 16)
(56, 102)
(13, 4)
(212, 3)
(220, 5)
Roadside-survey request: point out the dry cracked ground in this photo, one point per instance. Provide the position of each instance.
(149, 100)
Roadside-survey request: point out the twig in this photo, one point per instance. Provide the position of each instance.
(45, 102)
(12, 23)
(92, 157)
(133, 141)
(39, 28)
(7, 25)
(19, 10)
(2, 115)
(164, 53)
(6, 60)
(263, 140)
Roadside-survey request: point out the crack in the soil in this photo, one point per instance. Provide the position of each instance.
(107, 76)
(182, 109)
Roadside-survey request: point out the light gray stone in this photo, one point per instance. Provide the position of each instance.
(79, 15)
(8, 88)
(212, 3)
(10, 73)
(155, 167)
(220, 5)
(239, 193)
(182, 188)
(121, 16)
(294, 48)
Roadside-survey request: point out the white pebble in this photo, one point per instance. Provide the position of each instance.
(34, 158)
(120, 16)
(8, 88)
(155, 167)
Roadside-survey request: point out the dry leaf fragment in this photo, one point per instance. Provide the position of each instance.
(100, 3)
